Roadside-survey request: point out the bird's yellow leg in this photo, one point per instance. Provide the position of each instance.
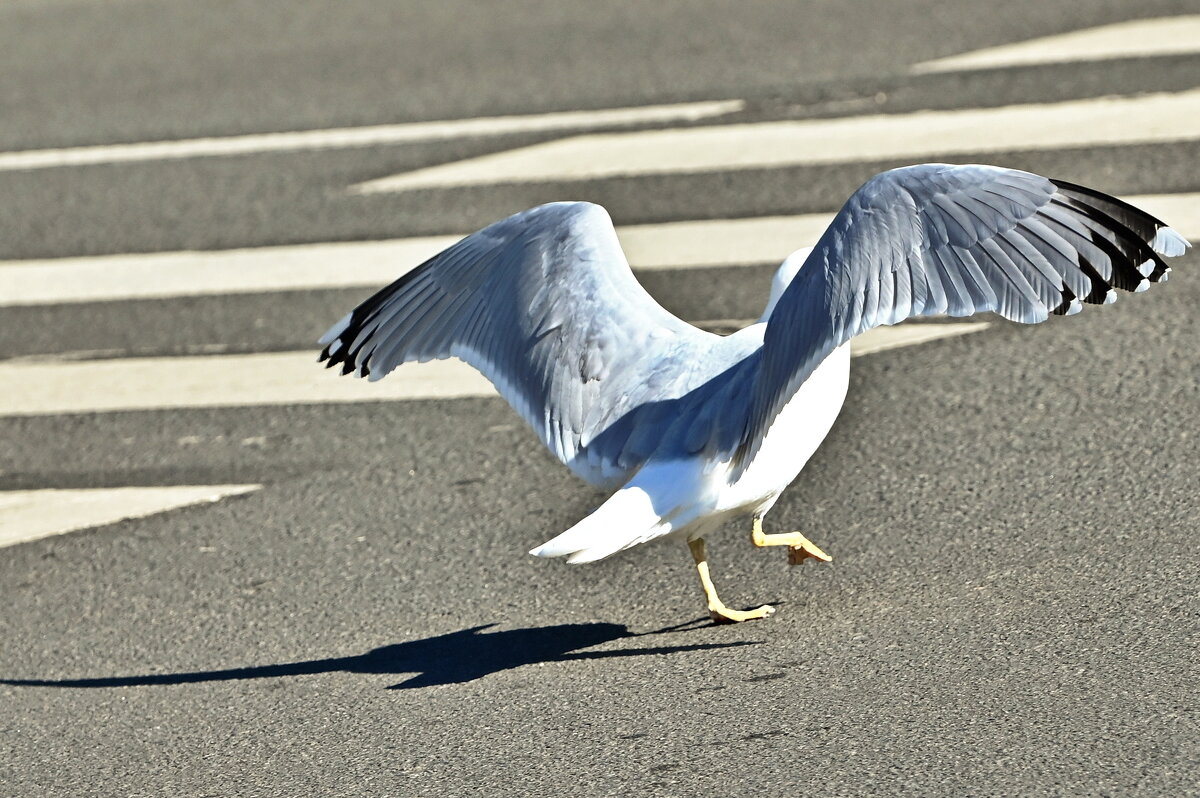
(800, 548)
(716, 608)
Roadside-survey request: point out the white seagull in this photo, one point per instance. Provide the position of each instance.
(693, 428)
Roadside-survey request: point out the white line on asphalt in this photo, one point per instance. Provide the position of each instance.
(375, 135)
(673, 245)
(1138, 38)
(27, 515)
(883, 339)
(54, 387)
(937, 134)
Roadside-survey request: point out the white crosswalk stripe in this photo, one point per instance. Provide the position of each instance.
(27, 515)
(1139, 38)
(1104, 121)
(372, 136)
(50, 387)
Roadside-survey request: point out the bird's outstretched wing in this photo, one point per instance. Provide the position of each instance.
(956, 240)
(544, 304)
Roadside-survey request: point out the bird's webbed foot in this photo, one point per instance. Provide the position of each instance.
(800, 548)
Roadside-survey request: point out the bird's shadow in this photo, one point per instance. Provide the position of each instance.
(453, 658)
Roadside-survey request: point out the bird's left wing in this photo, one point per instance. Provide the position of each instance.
(956, 240)
(545, 305)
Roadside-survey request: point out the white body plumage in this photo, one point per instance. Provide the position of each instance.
(689, 498)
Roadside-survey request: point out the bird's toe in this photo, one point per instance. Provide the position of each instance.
(726, 615)
(806, 550)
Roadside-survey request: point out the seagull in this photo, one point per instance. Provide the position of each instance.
(691, 429)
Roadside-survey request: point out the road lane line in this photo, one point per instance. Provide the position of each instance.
(27, 515)
(51, 387)
(924, 134)
(884, 339)
(1137, 38)
(369, 136)
(674, 245)
(650, 247)
(200, 273)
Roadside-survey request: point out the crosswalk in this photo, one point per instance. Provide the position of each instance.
(570, 147)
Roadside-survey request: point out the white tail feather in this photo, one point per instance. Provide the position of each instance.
(626, 519)
(663, 497)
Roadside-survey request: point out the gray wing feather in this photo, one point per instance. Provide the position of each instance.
(956, 240)
(544, 304)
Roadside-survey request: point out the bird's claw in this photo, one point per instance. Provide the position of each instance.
(805, 550)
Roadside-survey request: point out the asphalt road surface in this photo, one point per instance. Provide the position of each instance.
(1013, 603)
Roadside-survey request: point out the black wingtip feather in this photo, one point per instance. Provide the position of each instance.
(1132, 231)
(1136, 246)
(1142, 227)
(1100, 286)
(348, 358)
(1068, 297)
(1145, 224)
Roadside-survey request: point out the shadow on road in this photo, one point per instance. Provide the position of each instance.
(453, 658)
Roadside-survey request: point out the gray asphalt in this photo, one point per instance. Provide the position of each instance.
(1012, 608)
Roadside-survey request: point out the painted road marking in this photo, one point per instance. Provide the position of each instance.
(883, 339)
(27, 515)
(1078, 123)
(674, 245)
(369, 136)
(52, 387)
(1138, 38)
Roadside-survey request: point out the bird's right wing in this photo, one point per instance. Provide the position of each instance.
(544, 304)
(955, 240)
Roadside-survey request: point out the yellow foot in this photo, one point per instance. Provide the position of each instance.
(805, 549)
(800, 548)
(723, 614)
